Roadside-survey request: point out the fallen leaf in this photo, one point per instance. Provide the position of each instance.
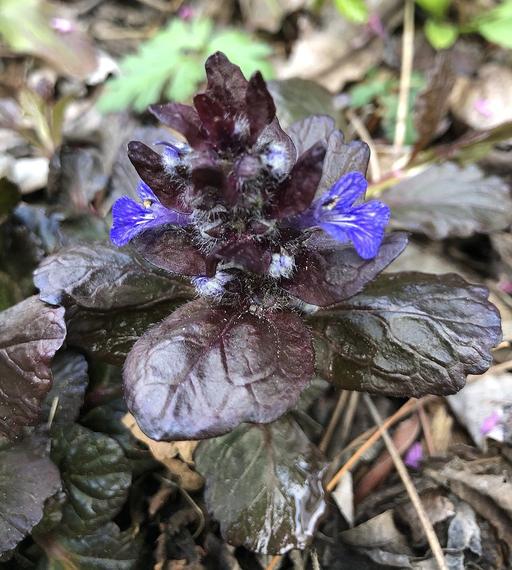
(177, 456)
(478, 401)
(484, 102)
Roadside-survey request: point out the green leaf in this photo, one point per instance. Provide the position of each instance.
(9, 196)
(440, 34)
(372, 87)
(96, 477)
(447, 200)
(437, 8)
(495, 25)
(107, 548)
(264, 485)
(172, 62)
(407, 335)
(27, 479)
(244, 51)
(354, 10)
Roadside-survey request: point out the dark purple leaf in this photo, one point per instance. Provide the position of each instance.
(408, 334)
(27, 480)
(328, 272)
(170, 250)
(297, 192)
(216, 122)
(273, 133)
(341, 158)
(447, 200)
(109, 336)
(70, 381)
(102, 278)
(181, 118)
(264, 485)
(433, 102)
(309, 131)
(260, 106)
(150, 167)
(30, 335)
(204, 370)
(207, 172)
(226, 83)
(95, 474)
(249, 254)
(297, 99)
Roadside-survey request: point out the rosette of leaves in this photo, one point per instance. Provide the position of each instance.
(250, 264)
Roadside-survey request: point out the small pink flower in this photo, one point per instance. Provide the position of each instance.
(62, 25)
(484, 107)
(375, 25)
(506, 286)
(414, 456)
(491, 421)
(186, 13)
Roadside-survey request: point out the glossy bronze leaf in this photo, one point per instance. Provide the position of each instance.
(328, 272)
(27, 479)
(408, 334)
(264, 485)
(204, 370)
(30, 335)
(102, 278)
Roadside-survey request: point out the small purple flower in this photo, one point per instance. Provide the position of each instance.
(337, 214)
(414, 456)
(130, 218)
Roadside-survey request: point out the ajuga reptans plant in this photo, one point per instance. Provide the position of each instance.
(250, 264)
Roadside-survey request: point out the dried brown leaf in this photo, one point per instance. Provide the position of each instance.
(177, 456)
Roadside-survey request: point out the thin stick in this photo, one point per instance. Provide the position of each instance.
(405, 75)
(349, 417)
(425, 426)
(433, 541)
(363, 133)
(373, 437)
(407, 408)
(335, 418)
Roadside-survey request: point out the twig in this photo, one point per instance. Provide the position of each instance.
(349, 417)
(406, 409)
(362, 131)
(433, 541)
(335, 418)
(425, 426)
(405, 76)
(53, 411)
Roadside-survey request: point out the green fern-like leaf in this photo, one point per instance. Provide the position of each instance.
(172, 63)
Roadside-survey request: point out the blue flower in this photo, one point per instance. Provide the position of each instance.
(337, 214)
(130, 218)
